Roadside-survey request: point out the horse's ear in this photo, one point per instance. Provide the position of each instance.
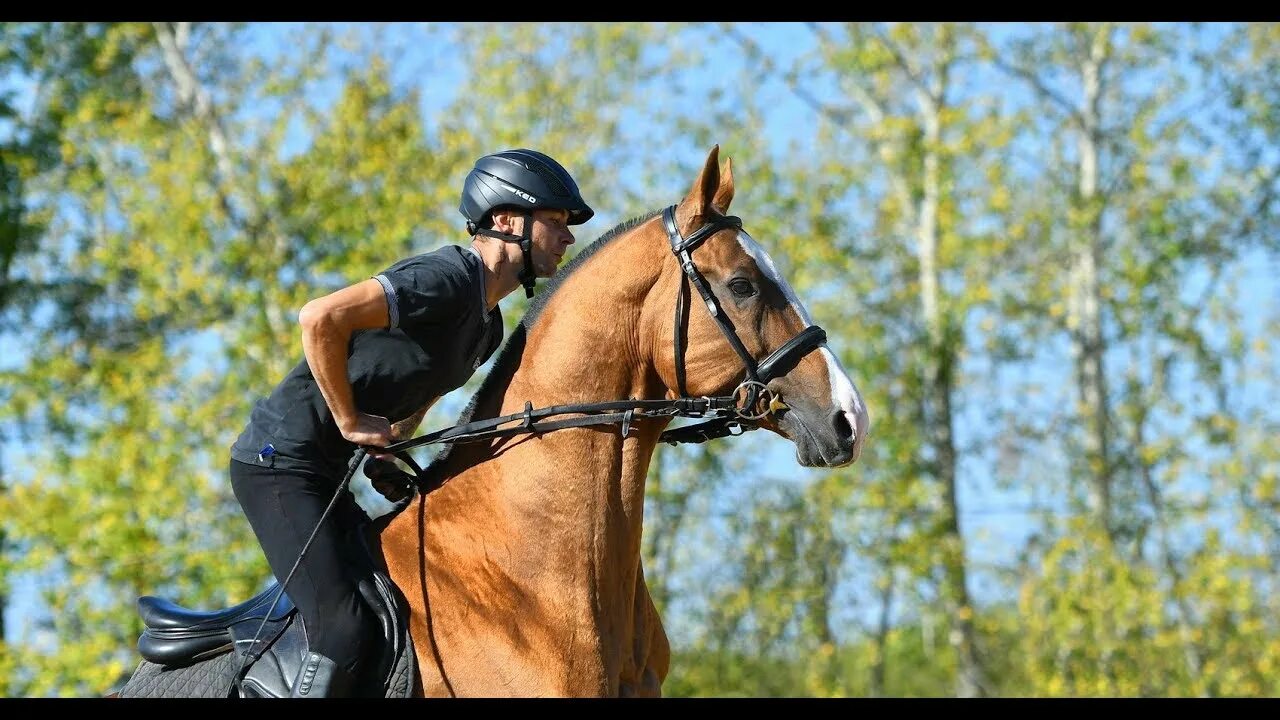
(724, 194)
(693, 209)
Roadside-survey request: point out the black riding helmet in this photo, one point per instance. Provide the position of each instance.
(526, 180)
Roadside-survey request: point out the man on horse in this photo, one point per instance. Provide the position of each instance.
(379, 352)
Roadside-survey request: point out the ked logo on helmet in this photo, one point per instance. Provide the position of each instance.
(519, 192)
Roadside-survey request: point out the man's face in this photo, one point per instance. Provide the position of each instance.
(551, 239)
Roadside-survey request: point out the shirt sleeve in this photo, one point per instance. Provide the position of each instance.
(423, 289)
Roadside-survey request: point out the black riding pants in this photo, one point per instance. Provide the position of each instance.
(283, 507)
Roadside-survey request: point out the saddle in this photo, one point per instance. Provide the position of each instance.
(193, 653)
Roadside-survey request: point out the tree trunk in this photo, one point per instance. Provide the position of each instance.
(880, 667)
(1088, 346)
(938, 416)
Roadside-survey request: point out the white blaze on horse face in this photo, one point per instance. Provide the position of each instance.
(844, 394)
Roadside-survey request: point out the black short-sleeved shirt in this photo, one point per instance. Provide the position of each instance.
(439, 334)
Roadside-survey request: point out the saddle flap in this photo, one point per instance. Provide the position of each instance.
(173, 651)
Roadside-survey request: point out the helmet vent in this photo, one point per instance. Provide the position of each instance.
(553, 182)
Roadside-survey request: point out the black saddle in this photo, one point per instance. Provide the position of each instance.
(176, 637)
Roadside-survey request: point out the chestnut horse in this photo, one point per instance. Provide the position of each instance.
(520, 574)
(523, 570)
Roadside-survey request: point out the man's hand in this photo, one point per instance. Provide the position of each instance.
(393, 483)
(369, 430)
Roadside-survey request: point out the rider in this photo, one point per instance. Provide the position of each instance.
(377, 352)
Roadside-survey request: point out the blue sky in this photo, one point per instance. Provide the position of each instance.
(995, 520)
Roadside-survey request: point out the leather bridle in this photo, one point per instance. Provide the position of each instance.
(758, 375)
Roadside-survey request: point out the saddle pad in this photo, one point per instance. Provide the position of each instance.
(208, 679)
(212, 678)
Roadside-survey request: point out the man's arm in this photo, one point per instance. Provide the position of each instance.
(327, 324)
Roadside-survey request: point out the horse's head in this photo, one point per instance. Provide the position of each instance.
(814, 403)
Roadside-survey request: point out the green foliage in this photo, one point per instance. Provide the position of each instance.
(173, 194)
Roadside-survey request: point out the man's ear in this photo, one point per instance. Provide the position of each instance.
(505, 221)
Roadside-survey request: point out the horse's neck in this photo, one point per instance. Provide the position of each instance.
(579, 489)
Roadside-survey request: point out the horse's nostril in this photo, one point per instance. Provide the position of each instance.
(844, 431)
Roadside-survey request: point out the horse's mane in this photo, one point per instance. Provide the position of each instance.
(509, 357)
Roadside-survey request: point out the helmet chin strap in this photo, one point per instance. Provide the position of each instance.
(526, 276)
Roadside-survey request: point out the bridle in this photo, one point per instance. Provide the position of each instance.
(723, 415)
(758, 376)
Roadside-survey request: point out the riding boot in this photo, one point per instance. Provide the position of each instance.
(321, 677)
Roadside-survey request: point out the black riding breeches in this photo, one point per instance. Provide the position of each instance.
(283, 507)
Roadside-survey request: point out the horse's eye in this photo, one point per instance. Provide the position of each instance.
(742, 288)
